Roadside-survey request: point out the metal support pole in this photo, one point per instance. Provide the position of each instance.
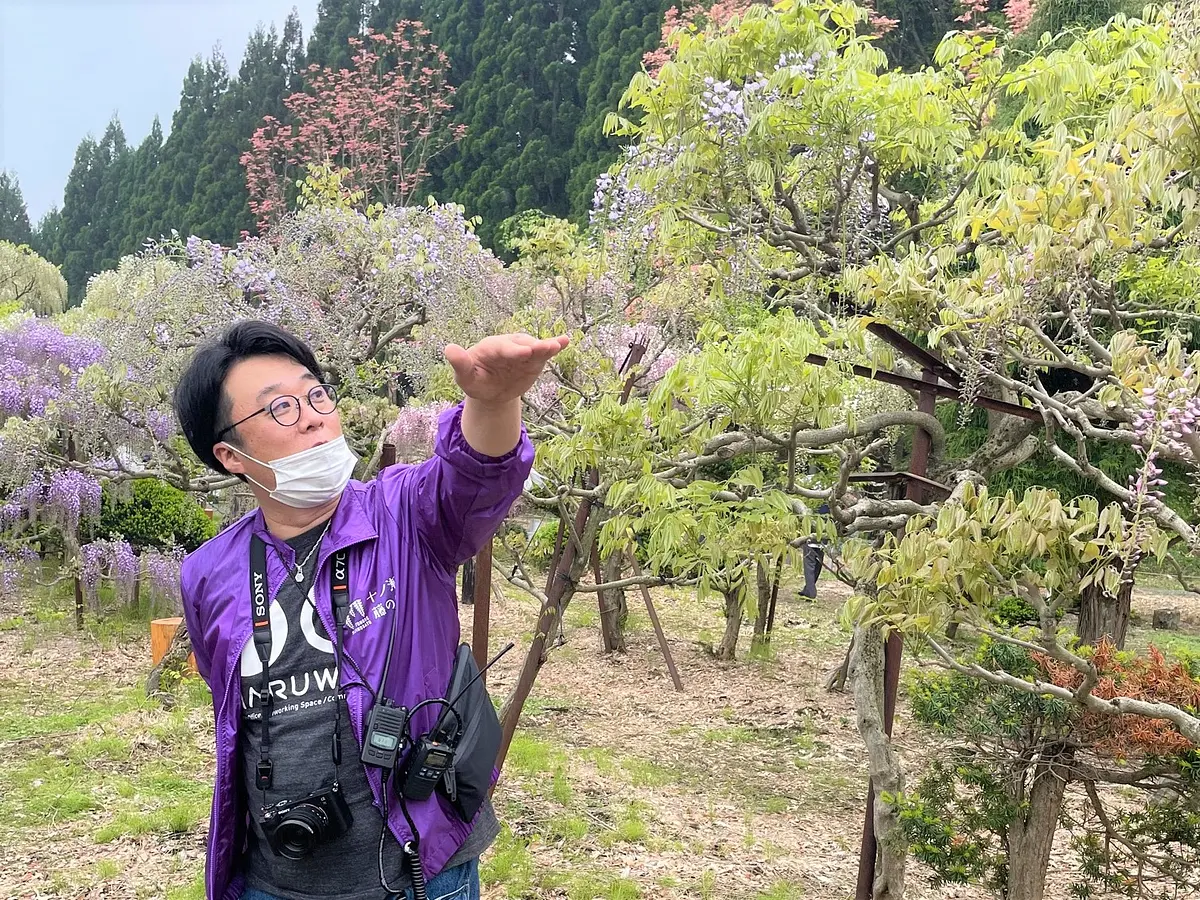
(894, 648)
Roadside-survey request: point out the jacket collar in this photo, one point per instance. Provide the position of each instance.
(350, 525)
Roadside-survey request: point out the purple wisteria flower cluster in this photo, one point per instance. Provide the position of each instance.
(162, 567)
(65, 497)
(1167, 416)
(39, 365)
(16, 567)
(724, 107)
(118, 561)
(414, 430)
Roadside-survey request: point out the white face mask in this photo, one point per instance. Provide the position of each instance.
(311, 477)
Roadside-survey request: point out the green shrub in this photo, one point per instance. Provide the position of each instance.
(1014, 612)
(156, 515)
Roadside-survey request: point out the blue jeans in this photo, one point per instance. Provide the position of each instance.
(459, 883)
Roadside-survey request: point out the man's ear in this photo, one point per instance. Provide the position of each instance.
(233, 463)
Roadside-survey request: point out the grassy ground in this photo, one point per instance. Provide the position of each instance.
(749, 784)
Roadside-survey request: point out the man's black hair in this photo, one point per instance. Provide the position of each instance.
(201, 403)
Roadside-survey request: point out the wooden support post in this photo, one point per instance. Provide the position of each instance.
(481, 614)
(387, 456)
(78, 603)
(467, 593)
(658, 629)
(774, 598)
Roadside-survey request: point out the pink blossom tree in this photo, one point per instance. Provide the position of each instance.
(1019, 14)
(382, 121)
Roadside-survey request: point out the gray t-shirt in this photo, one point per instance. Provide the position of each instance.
(305, 685)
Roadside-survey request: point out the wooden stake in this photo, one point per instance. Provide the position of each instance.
(78, 603)
(658, 629)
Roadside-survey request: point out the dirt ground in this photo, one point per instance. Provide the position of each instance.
(748, 784)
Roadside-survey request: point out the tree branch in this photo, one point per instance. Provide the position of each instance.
(1188, 725)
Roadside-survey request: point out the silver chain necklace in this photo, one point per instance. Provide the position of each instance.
(298, 574)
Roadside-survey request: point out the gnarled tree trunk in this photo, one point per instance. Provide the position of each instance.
(1103, 615)
(174, 660)
(1031, 836)
(733, 624)
(887, 776)
(763, 581)
(614, 610)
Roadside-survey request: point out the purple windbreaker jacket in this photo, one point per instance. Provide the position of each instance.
(407, 533)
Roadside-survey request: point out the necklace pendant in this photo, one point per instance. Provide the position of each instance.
(299, 577)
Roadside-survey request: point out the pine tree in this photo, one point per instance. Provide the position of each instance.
(144, 211)
(78, 215)
(453, 26)
(521, 106)
(14, 216)
(113, 158)
(921, 26)
(337, 22)
(93, 213)
(48, 236)
(184, 153)
(117, 198)
(620, 33)
(271, 69)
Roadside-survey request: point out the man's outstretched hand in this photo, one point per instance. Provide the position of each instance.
(501, 368)
(494, 374)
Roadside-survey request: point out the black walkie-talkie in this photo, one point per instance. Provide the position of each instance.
(426, 765)
(432, 757)
(384, 737)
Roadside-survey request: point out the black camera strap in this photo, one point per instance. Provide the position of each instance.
(339, 592)
(260, 598)
(260, 602)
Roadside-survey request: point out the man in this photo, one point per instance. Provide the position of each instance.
(292, 692)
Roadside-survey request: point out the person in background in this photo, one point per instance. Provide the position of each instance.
(292, 690)
(813, 556)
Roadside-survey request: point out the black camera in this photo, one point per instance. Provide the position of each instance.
(294, 827)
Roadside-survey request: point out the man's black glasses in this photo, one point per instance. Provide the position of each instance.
(285, 409)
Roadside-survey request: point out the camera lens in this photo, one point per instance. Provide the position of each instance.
(301, 830)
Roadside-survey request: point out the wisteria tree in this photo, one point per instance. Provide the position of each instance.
(1036, 717)
(29, 282)
(1031, 220)
(86, 398)
(382, 121)
(51, 488)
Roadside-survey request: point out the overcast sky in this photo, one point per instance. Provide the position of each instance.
(66, 66)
